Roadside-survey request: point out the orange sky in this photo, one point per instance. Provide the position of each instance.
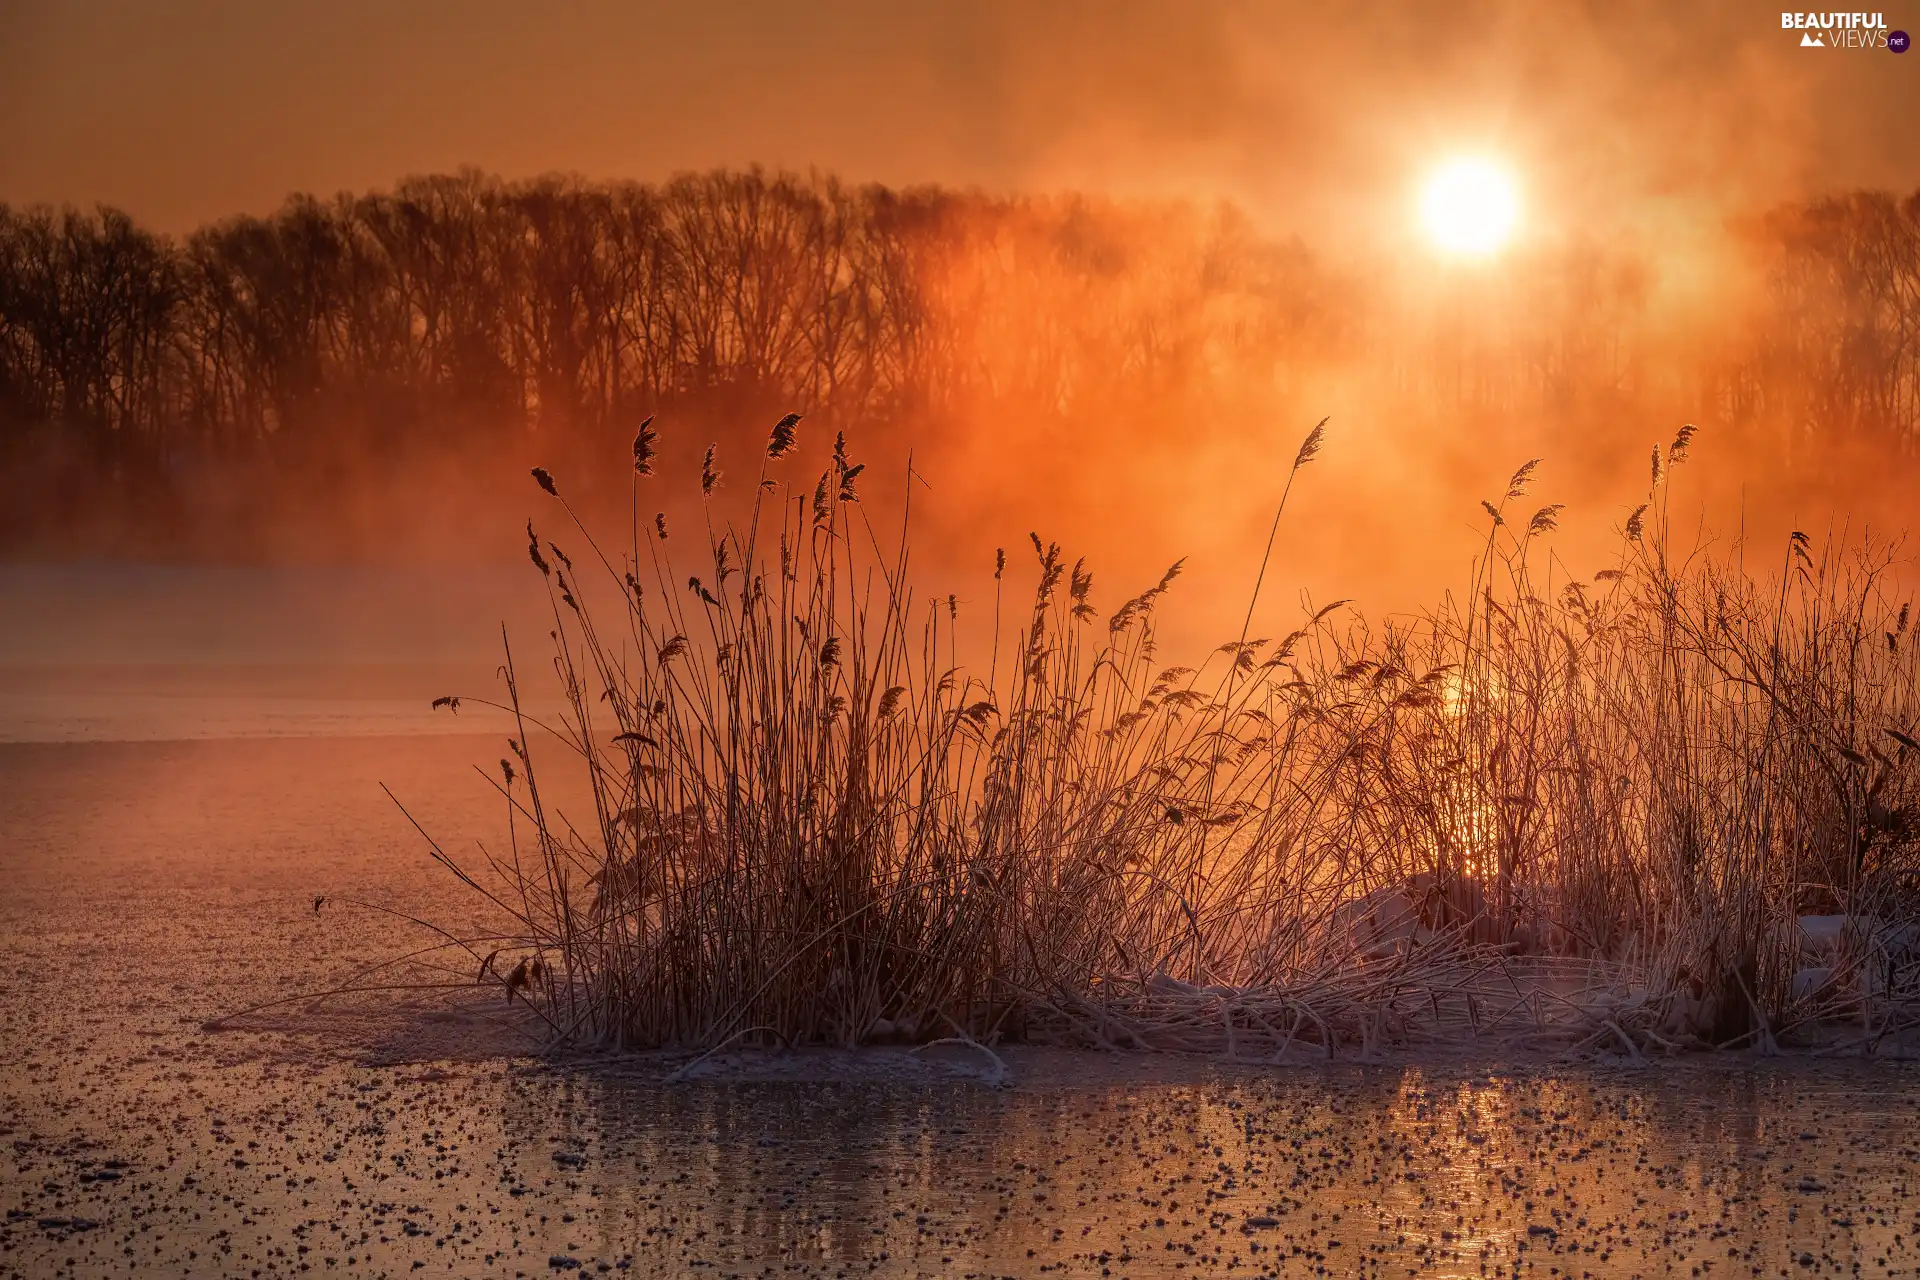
(1654, 120)
(192, 109)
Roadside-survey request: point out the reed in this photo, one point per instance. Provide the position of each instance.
(1553, 812)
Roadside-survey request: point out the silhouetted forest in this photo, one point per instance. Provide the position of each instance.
(165, 395)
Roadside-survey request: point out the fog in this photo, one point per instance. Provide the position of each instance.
(1315, 119)
(353, 356)
(1156, 245)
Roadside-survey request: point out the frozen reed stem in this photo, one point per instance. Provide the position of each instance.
(1601, 805)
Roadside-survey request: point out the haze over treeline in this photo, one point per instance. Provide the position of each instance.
(363, 375)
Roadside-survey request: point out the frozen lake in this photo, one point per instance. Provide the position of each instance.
(159, 869)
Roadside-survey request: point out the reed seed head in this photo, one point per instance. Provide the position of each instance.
(1310, 447)
(781, 442)
(643, 447)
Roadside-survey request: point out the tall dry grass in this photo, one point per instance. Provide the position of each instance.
(1551, 811)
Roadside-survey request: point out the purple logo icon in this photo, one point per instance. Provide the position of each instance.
(1898, 41)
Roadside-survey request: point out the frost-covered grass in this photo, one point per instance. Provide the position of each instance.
(1582, 813)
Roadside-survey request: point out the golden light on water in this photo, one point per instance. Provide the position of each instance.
(1469, 207)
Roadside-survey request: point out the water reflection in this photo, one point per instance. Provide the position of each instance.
(1350, 1171)
(1097, 1170)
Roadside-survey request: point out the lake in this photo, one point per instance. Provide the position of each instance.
(167, 827)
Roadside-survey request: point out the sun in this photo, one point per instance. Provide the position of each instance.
(1470, 207)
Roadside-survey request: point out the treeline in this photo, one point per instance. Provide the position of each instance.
(1836, 345)
(460, 311)
(464, 303)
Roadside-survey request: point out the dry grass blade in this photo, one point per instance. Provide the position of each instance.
(1632, 819)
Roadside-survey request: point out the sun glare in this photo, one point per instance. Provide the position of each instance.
(1469, 207)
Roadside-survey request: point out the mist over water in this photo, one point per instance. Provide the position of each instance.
(293, 304)
(1128, 377)
(1126, 346)
(119, 651)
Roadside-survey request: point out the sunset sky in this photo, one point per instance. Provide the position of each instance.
(1634, 129)
(196, 109)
